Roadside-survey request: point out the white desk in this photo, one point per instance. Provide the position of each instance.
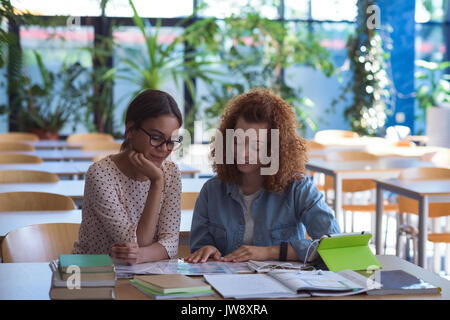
(63, 155)
(75, 188)
(59, 144)
(61, 168)
(425, 191)
(32, 281)
(17, 219)
(384, 168)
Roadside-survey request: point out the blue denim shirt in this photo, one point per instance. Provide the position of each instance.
(218, 218)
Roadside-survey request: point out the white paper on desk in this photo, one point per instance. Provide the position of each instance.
(247, 286)
(178, 266)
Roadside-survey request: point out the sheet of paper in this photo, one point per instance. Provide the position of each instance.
(178, 266)
(243, 286)
(321, 280)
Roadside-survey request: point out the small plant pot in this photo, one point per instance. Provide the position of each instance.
(45, 135)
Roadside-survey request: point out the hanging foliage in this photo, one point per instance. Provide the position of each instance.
(369, 86)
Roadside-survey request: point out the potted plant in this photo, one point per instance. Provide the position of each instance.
(254, 52)
(433, 97)
(179, 61)
(47, 105)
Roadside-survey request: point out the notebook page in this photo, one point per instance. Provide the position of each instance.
(248, 286)
(313, 280)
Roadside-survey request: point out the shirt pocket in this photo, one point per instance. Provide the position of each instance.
(219, 235)
(284, 233)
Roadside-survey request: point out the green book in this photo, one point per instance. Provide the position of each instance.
(88, 263)
(348, 251)
(158, 295)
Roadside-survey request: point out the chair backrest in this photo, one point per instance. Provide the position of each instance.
(440, 157)
(341, 156)
(397, 132)
(350, 185)
(101, 156)
(403, 143)
(18, 158)
(324, 135)
(40, 242)
(34, 201)
(18, 136)
(15, 146)
(102, 145)
(313, 145)
(188, 200)
(27, 176)
(89, 137)
(408, 205)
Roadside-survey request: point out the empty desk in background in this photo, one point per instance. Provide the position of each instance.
(61, 168)
(11, 220)
(32, 281)
(425, 191)
(384, 168)
(59, 144)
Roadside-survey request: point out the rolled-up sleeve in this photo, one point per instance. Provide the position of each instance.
(314, 214)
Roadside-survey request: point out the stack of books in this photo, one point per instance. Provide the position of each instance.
(170, 286)
(83, 276)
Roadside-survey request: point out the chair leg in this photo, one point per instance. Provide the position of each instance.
(386, 233)
(435, 225)
(447, 259)
(399, 234)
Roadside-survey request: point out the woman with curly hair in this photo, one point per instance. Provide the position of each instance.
(258, 207)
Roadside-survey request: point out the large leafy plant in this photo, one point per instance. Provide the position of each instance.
(181, 61)
(368, 90)
(434, 85)
(255, 52)
(48, 104)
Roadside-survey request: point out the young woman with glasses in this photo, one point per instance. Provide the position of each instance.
(131, 206)
(246, 213)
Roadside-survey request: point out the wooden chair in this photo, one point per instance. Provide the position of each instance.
(15, 146)
(403, 143)
(188, 200)
(27, 176)
(352, 186)
(397, 132)
(317, 177)
(6, 158)
(102, 145)
(34, 201)
(89, 137)
(441, 158)
(40, 242)
(101, 156)
(435, 210)
(325, 135)
(18, 136)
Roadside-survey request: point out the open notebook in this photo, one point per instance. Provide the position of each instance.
(290, 284)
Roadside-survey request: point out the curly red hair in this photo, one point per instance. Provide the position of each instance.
(262, 105)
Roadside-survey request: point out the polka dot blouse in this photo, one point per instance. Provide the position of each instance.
(113, 204)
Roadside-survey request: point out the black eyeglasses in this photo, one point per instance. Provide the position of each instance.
(157, 140)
